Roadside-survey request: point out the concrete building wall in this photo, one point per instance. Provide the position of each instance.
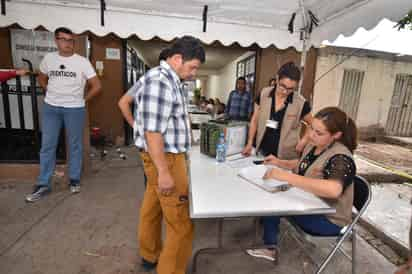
(212, 87)
(376, 91)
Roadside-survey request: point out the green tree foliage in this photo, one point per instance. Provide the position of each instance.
(405, 22)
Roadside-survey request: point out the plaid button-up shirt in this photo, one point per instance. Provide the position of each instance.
(161, 106)
(239, 105)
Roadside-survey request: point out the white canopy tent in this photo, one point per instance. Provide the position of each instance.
(264, 22)
(293, 23)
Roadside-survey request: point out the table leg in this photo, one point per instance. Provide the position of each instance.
(219, 248)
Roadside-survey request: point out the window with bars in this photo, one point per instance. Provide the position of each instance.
(350, 92)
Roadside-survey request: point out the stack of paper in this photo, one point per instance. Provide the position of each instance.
(239, 161)
(254, 174)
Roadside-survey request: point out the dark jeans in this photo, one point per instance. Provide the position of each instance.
(317, 225)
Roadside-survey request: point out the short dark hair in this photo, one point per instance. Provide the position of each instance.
(63, 30)
(241, 78)
(289, 70)
(189, 47)
(164, 54)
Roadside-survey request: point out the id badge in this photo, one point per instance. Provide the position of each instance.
(272, 124)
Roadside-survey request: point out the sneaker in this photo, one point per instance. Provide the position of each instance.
(38, 193)
(74, 187)
(264, 253)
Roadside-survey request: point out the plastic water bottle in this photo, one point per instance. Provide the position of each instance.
(221, 149)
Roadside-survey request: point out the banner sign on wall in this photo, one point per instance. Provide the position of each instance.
(32, 45)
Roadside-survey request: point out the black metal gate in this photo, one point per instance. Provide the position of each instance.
(20, 132)
(133, 69)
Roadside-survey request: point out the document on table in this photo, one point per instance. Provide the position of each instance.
(240, 161)
(254, 174)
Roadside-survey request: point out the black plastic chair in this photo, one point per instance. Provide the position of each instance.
(362, 197)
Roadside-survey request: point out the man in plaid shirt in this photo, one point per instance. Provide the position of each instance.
(162, 133)
(239, 105)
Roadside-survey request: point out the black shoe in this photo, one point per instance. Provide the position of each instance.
(146, 267)
(38, 193)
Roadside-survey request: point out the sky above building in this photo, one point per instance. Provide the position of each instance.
(384, 37)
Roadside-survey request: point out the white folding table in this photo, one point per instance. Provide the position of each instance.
(216, 191)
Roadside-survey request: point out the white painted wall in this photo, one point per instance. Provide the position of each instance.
(221, 84)
(213, 84)
(377, 88)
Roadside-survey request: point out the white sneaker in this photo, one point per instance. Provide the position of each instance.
(263, 253)
(74, 189)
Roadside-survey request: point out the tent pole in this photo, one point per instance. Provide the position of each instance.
(303, 62)
(304, 35)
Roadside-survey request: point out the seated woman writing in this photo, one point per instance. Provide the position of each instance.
(325, 169)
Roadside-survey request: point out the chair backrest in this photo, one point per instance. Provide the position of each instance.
(362, 193)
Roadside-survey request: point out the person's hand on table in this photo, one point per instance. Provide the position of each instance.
(271, 160)
(166, 183)
(247, 151)
(276, 173)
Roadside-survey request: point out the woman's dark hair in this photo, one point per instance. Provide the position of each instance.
(189, 47)
(289, 70)
(220, 108)
(211, 101)
(271, 80)
(337, 120)
(62, 30)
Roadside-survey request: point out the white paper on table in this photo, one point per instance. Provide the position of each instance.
(254, 174)
(239, 161)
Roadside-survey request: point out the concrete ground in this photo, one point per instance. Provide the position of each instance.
(394, 156)
(384, 163)
(95, 231)
(389, 216)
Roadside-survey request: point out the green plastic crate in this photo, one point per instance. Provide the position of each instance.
(210, 133)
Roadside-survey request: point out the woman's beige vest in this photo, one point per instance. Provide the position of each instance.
(291, 126)
(343, 204)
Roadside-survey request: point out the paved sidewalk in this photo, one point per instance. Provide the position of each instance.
(95, 231)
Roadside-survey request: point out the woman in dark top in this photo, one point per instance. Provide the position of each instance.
(272, 113)
(325, 169)
(270, 142)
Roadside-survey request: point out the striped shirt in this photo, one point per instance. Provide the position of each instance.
(239, 105)
(161, 106)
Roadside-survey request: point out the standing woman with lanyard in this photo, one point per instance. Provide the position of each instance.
(276, 122)
(277, 117)
(325, 169)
